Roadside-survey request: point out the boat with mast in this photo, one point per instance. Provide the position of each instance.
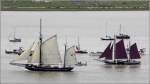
(15, 39)
(45, 56)
(78, 49)
(115, 53)
(107, 37)
(121, 35)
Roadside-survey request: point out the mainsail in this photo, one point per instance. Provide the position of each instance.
(120, 52)
(107, 52)
(134, 54)
(70, 58)
(50, 53)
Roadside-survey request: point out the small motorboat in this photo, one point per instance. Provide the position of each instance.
(15, 51)
(81, 63)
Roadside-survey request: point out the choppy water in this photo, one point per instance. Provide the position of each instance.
(89, 26)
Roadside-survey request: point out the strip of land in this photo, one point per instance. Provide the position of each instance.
(74, 5)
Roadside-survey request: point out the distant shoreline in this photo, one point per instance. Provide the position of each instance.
(18, 5)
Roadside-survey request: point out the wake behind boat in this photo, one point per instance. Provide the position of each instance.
(45, 56)
(116, 54)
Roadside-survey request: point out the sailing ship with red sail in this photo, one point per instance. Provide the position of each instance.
(116, 54)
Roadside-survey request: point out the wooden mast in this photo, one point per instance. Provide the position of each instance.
(78, 43)
(40, 38)
(114, 49)
(65, 53)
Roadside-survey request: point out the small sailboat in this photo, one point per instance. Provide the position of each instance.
(121, 35)
(78, 50)
(45, 56)
(106, 37)
(116, 54)
(15, 39)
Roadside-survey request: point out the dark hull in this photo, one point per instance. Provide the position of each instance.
(123, 37)
(15, 40)
(123, 63)
(82, 52)
(40, 68)
(107, 39)
(13, 52)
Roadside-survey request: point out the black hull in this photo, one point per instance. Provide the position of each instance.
(81, 52)
(122, 37)
(15, 40)
(40, 68)
(123, 63)
(13, 52)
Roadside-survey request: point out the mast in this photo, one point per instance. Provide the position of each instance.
(65, 54)
(114, 48)
(120, 29)
(14, 33)
(40, 38)
(78, 43)
(129, 51)
(106, 28)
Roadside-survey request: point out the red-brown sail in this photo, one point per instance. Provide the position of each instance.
(134, 54)
(120, 52)
(109, 56)
(107, 52)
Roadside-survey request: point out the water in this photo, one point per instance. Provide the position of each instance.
(89, 26)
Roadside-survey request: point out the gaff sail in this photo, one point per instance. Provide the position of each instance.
(134, 54)
(50, 52)
(120, 52)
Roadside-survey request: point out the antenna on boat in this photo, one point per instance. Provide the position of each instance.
(40, 38)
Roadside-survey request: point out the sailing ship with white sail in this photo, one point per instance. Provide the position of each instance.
(45, 56)
(115, 53)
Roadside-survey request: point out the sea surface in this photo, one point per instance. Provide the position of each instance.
(89, 26)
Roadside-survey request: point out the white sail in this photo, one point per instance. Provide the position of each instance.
(35, 54)
(70, 58)
(50, 52)
(23, 56)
